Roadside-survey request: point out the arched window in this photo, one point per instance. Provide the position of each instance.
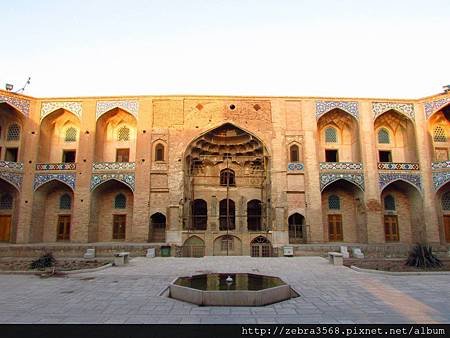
(123, 134)
(227, 177)
(383, 136)
(71, 135)
(254, 211)
(6, 201)
(446, 201)
(199, 214)
(159, 152)
(65, 202)
(120, 201)
(13, 132)
(389, 203)
(439, 134)
(227, 243)
(334, 202)
(330, 135)
(227, 216)
(294, 153)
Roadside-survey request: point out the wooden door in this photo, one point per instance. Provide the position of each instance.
(122, 155)
(63, 231)
(335, 228)
(119, 226)
(391, 228)
(447, 228)
(5, 228)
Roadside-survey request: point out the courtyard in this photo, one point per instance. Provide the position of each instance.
(135, 294)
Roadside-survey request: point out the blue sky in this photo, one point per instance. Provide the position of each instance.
(294, 48)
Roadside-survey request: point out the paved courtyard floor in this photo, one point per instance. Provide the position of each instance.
(131, 294)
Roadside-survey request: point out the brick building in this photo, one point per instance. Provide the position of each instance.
(224, 175)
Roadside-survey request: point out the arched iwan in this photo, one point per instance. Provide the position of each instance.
(434, 106)
(413, 179)
(327, 178)
(130, 106)
(49, 107)
(15, 179)
(323, 107)
(440, 179)
(127, 179)
(67, 179)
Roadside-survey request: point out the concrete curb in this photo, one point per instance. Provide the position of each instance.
(68, 272)
(396, 273)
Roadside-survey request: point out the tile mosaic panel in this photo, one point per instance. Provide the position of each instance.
(11, 177)
(350, 107)
(56, 166)
(407, 109)
(41, 179)
(440, 165)
(21, 104)
(11, 165)
(296, 166)
(340, 166)
(328, 178)
(385, 179)
(440, 179)
(398, 166)
(112, 166)
(126, 178)
(131, 106)
(50, 107)
(433, 106)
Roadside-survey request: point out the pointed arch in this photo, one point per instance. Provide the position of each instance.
(14, 179)
(328, 178)
(43, 179)
(414, 180)
(129, 106)
(127, 179)
(350, 107)
(48, 108)
(436, 105)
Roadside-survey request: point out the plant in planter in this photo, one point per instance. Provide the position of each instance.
(421, 256)
(45, 261)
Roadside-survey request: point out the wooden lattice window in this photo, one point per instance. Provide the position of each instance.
(227, 177)
(13, 132)
(120, 202)
(389, 203)
(71, 135)
(439, 134)
(65, 202)
(446, 201)
(123, 134)
(330, 135)
(334, 202)
(383, 136)
(6, 202)
(227, 243)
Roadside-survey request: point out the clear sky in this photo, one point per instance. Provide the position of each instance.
(354, 48)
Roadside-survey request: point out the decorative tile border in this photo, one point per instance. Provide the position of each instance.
(49, 107)
(440, 165)
(19, 103)
(127, 179)
(296, 166)
(340, 166)
(433, 106)
(384, 179)
(439, 179)
(350, 107)
(379, 108)
(398, 166)
(14, 178)
(11, 165)
(41, 179)
(111, 166)
(328, 178)
(56, 166)
(131, 106)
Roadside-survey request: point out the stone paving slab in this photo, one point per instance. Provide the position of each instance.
(131, 294)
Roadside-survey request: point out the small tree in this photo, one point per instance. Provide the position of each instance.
(421, 256)
(45, 261)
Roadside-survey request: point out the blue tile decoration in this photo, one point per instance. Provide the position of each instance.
(41, 179)
(296, 166)
(12, 177)
(21, 104)
(113, 166)
(387, 178)
(406, 109)
(440, 165)
(327, 178)
(56, 166)
(350, 107)
(340, 166)
(440, 179)
(398, 166)
(11, 165)
(126, 178)
(433, 106)
(131, 106)
(49, 107)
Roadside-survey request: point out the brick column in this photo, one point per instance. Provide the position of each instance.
(369, 157)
